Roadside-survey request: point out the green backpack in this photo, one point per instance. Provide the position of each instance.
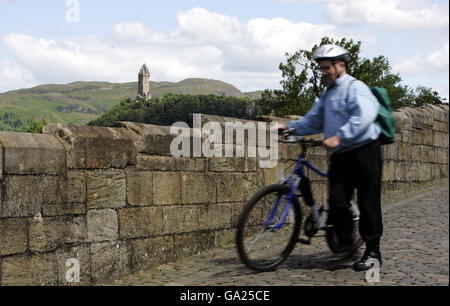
(385, 119)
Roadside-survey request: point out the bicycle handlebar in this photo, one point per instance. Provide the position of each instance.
(290, 137)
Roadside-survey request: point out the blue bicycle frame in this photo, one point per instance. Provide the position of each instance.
(294, 181)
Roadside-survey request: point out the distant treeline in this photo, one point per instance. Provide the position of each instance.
(11, 122)
(171, 108)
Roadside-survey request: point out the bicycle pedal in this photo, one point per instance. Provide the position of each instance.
(304, 241)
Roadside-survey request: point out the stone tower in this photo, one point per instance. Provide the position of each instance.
(144, 84)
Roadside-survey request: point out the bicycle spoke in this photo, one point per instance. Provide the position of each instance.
(266, 230)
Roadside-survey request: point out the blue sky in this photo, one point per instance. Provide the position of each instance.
(240, 42)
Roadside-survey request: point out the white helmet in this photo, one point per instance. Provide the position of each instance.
(332, 52)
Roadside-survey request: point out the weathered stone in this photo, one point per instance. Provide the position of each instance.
(400, 170)
(403, 121)
(180, 219)
(197, 188)
(444, 169)
(106, 189)
(416, 152)
(70, 259)
(252, 182)
(109, 261)
(428, 117)
(139, 222)
(416, 137)
(440, 140)
(62, 209)
(229, 187)
(169, 163)
(34, 270)
(76, 187)
(411, 173)
(139, 188)
(273, 175)
(428, 136)
(13, 236)
(233, 130)
(222, 237)
(390, 152)
(294, 150)
(166, 188)
(102, 225)
(425, 154)
(190, 244)
(226, 164)
(49, 233)
(24, 195)
(150, 139)
(424, 173)
(388, 170)
(214, 216)
(236, 211)
(95, 147)
(26, 153)
(149, 252)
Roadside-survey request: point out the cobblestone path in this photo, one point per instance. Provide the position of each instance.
(414, 248)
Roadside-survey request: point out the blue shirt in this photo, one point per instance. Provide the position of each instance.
(346, 111)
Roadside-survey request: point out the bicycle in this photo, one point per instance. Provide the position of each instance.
(270, 223)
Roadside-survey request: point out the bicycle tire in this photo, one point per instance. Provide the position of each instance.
(333, 243)
(255, 237)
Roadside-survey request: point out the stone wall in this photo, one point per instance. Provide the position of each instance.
(117, 201)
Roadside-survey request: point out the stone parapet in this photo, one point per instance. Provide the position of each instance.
(110, 201)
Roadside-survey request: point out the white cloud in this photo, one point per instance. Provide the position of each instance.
(430, 70)
(435, 64)
(206, 44)
(12, 76)
(392, 14)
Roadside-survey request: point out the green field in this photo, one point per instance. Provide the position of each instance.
(81, 102)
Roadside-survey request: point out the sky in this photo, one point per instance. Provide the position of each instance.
(241, 42)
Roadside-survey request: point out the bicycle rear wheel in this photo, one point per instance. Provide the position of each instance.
(263, 242)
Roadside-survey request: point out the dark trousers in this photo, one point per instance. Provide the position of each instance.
(359, 169)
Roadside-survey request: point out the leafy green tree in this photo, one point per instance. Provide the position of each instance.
(11, 122)
(35, 126)
(426, 95)
(301, 83)
(172, 108)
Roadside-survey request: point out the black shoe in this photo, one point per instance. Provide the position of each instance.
(367, 261)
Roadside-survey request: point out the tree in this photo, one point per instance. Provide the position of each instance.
(301, 83)
(173, 107)
(426, 95)
(35, 126)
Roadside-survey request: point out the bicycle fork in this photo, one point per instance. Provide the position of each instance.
(290, 198)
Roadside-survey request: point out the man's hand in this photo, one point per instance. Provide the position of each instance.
(332, 142)
(280, 127)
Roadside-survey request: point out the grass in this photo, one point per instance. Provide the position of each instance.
(51, 100)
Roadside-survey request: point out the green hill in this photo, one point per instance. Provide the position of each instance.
(81, 102)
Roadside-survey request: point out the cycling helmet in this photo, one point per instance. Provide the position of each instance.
(332, 52)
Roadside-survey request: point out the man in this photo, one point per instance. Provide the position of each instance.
(345, 113)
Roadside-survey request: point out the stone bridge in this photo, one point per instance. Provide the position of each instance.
(115, 200)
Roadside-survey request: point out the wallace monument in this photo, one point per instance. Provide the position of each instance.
(144, 84)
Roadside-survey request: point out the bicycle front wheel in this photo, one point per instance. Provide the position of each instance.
(268, 228)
